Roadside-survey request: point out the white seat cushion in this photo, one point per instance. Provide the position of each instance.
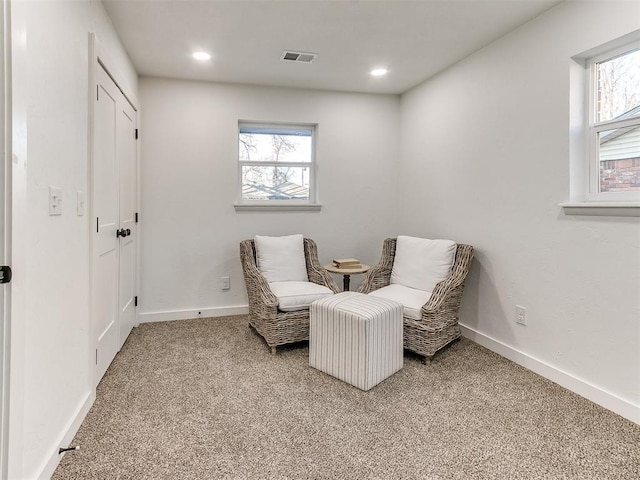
(281, 259)
(294, 296)
(421, 263)
(411, 299)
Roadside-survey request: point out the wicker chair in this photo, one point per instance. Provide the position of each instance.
(278, 327)
(439, 324)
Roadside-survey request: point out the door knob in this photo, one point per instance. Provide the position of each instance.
(121, 233)
(5, 270)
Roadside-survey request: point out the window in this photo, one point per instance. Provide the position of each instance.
(614, 125)
(276, 165)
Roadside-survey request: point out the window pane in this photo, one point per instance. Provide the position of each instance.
(619, 154)
(275, 146)
(618, 87)
(275, 183)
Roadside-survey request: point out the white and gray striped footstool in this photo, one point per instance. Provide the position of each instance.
(356, 338)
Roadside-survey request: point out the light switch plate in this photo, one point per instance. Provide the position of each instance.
(55, 201)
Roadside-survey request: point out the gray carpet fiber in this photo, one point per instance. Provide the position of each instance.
(204, 399)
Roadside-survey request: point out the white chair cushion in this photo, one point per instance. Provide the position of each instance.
(294, 296)
(411, 299)
(421, 263)
(281, 259)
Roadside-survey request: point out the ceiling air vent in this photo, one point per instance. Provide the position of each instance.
(301, 57)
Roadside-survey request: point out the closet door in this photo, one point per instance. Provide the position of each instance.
(114, 205)
(105, 211)
(126, 145)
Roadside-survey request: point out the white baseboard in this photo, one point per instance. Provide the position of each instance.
(603, 398)
(67, 436)
(169, 315)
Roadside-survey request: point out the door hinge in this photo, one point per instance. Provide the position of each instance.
(5, 271)
(135, 301)
(97, 92)
(96, 356)
(136, 217)
(97, 224)
(136, 133)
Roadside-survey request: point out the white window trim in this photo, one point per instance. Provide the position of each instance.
(585, 197)
(311, 205)
(621, 209)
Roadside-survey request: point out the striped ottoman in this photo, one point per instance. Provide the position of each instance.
(356, 338)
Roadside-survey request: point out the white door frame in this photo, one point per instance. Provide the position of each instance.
(15, 206)
(5, 176)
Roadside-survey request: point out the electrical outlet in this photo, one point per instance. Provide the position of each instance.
(521, 315)
(225, 283)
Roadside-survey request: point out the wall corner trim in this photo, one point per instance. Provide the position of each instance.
(591, 392)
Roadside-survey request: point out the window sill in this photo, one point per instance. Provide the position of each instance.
(604, 209)
(249, 207)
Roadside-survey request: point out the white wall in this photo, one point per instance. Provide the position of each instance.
(485, 161)
(51, 384)
(190, 230)
(497, 190)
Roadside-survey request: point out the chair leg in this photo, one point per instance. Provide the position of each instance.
(426, 360)
(273, 350)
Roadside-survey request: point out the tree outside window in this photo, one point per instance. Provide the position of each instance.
(276, 162)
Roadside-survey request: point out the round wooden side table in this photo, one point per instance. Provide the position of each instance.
(346, 273)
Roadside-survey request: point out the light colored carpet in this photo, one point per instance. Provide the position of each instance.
(204, 399)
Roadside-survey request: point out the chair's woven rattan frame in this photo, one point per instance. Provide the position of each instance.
(277, 327)
(439, 324)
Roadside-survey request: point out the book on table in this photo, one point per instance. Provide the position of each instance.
(347, 263)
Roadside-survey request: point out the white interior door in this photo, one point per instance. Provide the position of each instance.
(114, 208)
(126, 145)
(105, 211)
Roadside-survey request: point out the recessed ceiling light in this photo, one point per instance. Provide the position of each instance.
(378, 72)
(201, 56)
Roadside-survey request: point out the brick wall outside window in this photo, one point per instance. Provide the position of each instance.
(620, 175)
